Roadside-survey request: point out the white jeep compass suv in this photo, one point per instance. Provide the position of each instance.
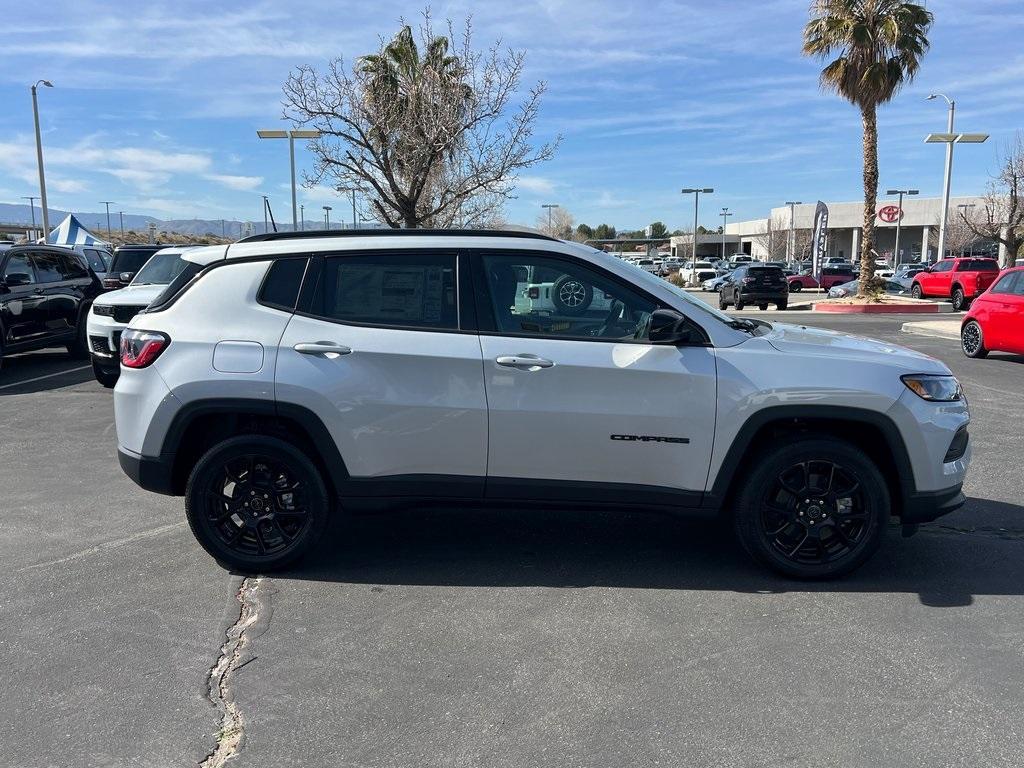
(290, 376)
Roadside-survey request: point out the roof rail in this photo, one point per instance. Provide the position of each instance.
(315, 233)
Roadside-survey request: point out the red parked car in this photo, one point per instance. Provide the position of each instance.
(996, 320)
(829, 276)
(959, 280)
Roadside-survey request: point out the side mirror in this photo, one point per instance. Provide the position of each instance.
(668, 327)
(927, 269)
(18, 278)
(126, 277)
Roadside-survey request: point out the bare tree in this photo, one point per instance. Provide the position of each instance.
(431, 139)
(562, 226)
(775, 237)
(959, 233)
(1003, 218)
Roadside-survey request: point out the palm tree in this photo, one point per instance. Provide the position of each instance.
(877, 46)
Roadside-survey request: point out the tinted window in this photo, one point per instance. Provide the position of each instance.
(978, 265)
(73, 266)
(1006, 284)
(578, 302)
(392, 289)
(48, 267)
(943, 266)
(281, 286)
(770, 273)
(161, 269)
(20, 264)
(176, 285)
(130, 259)
(98, 260)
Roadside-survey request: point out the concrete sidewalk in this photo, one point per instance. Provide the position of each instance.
(940, 329)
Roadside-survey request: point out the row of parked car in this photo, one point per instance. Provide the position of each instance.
(79, 297)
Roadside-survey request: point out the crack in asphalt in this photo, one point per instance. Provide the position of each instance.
(1010, 534)
(231, 733)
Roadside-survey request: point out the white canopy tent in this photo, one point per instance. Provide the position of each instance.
(72, 232)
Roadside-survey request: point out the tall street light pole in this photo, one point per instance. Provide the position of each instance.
(121, 215)
(107, 203)
(791, 238)
(266, 224)
(291, 136)
(964, 208)
(899, 223)
(39, 157)
(32, 206)
(327, 217)
(725, 215)
(302, 217)
(696, 192)
(550, 207)
(949, 138)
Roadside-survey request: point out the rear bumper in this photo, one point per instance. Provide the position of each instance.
(152, 474)
(755, 296)
(924, 507)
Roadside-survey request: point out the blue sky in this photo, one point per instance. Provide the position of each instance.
(156, 104)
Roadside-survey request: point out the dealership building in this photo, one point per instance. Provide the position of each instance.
(919, 225)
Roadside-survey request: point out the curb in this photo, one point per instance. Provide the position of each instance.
(884, 309)
(928, 328)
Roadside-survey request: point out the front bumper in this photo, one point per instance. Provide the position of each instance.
(930, 505)
(104, 338)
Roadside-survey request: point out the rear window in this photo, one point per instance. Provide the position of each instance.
(161, 269)
(130, 259)
(769, 272)
(978, 265)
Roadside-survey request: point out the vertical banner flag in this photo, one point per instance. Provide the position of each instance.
(820, 242)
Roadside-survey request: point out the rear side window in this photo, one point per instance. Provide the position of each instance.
(97, 261)
(73, 267)
(978, 265)
(407, 290)
(281, 285)
(48, 267)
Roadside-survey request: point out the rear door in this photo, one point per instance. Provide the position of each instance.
(382, 351)
(22, 305)
(581, 406)
(993, 311)
(1013, 321)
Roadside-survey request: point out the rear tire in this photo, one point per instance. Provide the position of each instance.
(256, 503)
(723, 304)
(958, 299)
(782, 305)
(972, 340)
(739, 305)
(816, 508)
(763, 307)
(795, 287)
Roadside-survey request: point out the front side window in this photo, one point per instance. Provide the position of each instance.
(161, 269)
(1007, 283)
(19, 266)
(943, 266)
(536, 295)
(406, 290)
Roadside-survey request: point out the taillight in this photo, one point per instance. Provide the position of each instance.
(140, 348)
(111, 282)
(748, 280)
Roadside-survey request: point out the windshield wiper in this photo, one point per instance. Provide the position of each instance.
(742, 324)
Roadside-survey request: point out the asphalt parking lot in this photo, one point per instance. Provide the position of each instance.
(461, 638)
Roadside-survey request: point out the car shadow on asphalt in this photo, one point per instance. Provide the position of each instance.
(944, 565)
(42, 371)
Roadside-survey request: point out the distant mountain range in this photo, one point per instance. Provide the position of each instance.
(97, 222)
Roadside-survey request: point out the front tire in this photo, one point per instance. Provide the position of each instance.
(916, 292)
(105, 377)
(972, 340)
(795, 287)
(256, 503)
(812, 509)
(782, 305)
(739, 305)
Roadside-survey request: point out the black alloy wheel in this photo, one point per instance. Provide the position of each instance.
(813, 509)
(972, 340)
(256, 503)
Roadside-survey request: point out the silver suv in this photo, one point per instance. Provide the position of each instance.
(289, 378)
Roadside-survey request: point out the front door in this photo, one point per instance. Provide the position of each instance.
(22, 305)
(580, 404)
(378, 352)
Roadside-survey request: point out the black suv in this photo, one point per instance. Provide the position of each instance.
(128, 259)
(760, 285)
(45, 294)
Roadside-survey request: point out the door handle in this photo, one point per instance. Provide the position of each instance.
(321, 348)
(523, 362)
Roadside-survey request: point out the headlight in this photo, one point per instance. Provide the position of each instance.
(942, 389)
(106, 310)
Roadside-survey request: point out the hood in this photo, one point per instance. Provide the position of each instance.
(140, 295)
(801, 340)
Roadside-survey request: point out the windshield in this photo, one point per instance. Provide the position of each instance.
(160, 269)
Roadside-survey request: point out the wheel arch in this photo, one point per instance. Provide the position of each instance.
(873, 432)
(201, 424)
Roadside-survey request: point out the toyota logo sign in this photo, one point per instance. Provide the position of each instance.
(890, 214)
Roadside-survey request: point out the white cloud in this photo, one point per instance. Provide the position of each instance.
(538, 185)
(240, 183)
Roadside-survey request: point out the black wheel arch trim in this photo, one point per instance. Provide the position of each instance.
(794, 414)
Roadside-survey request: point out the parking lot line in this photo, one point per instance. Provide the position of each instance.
(47, 376)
